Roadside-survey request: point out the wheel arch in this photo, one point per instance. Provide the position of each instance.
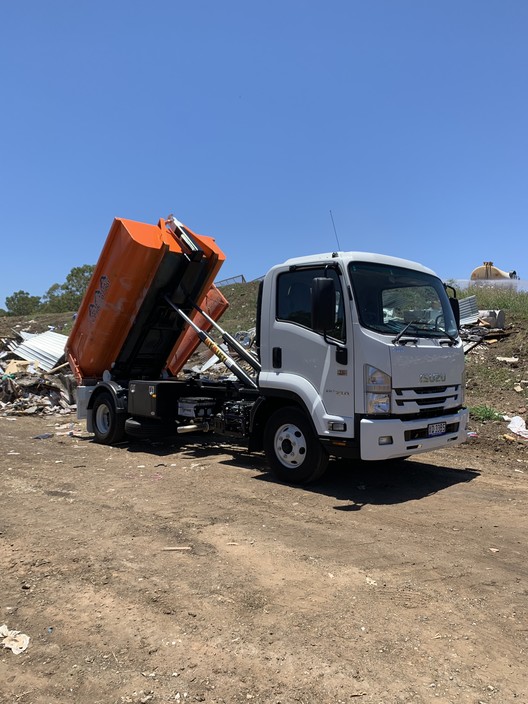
(264, 407)
(119, 395)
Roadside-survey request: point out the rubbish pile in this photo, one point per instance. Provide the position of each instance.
(204, 361)
(34, 378)
(478, 326)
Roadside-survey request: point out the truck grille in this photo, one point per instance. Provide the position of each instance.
(426, 402)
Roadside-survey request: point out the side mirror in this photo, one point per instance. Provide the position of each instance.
(453, 300)
(323, 304)
(455, 305)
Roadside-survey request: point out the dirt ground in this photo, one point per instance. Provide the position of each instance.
(170, 573)
(183, 572)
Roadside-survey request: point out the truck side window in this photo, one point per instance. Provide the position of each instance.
(294, 302)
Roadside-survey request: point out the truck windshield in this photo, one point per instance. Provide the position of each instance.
(393, 300)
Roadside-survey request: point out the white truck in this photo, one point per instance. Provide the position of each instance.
(357, 356)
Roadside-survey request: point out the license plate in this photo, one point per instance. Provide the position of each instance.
(436, 429)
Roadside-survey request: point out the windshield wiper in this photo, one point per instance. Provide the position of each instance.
(451, 338)
(404, 330)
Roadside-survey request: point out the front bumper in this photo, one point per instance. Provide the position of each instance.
(409, 437)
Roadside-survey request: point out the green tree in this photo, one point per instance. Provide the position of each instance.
(60, 298)
(76, 284)
(54, 301)
(22, 303)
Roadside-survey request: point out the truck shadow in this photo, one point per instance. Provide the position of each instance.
(354, 483)
(359, 484)
(377, 483)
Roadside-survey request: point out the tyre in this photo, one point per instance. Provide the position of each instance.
(108, 424)
(293, 451)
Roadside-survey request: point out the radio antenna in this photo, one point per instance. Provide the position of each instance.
(335, 231)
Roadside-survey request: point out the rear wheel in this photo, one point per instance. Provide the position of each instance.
(293, 451)
(108, 424)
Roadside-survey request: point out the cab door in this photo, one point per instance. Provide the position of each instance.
(318, 366)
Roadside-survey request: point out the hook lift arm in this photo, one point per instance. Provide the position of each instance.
(209, 342)
(230, 340)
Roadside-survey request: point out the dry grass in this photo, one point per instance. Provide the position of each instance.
(242, 311)
(504, 297)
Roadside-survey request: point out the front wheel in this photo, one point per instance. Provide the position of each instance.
(108, 424)
(293, 451)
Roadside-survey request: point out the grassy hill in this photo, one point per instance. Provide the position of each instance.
(38, 322)
(242, 311)
(506, 298)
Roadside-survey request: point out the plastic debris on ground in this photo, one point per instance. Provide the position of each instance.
(517, 425)
(14, 640)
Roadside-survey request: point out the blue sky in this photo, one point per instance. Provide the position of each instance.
(252, 120)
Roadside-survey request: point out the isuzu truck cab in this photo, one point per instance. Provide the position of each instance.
(357, 354)
(367, 347)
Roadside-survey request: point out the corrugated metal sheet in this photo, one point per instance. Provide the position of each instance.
(468, 310)
(47, 349)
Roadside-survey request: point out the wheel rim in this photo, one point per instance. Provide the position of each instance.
(290, 446)
(102, 418)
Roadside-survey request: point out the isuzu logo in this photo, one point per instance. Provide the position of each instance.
(432, 378)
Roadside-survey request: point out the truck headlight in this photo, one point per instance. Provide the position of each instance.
(378, 387)
(378, 403)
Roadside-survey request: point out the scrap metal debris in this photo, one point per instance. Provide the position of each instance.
(478, 326)
(47, 348)
(41, 384)
(468, 310)
(38, 383)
